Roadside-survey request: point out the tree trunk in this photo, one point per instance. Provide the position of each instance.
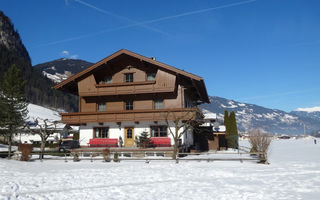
(9, 146)
(175, 149)
(42, 147)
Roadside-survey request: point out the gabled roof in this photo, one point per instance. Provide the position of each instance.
(71, 81)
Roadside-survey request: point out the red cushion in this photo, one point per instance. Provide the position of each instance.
(161, 141)
(110, 142)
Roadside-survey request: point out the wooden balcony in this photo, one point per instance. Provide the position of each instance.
(127, 115)
(164, 83)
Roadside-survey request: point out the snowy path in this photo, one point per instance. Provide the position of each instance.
(294, 173)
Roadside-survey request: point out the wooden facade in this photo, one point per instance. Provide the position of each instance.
(124, 115)
(178, 90)
(130, 93)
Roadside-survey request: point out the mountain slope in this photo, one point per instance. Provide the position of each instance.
(38, 88)
(60, 69)
(251, 116)
(313, 113)
(10, 38)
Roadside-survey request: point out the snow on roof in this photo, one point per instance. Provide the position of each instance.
(209, 115)
(222, 128)
(313, 109)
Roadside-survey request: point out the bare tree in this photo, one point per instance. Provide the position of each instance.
(182, 123)
(44, 129)
(260, 142)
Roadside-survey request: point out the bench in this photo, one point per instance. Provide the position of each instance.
(103, 142)
(160, 141)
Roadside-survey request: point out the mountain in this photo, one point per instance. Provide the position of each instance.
(10, 39)
(60, 69)
(12, 49)
(313, 113)
(250, 116)
(38, 88)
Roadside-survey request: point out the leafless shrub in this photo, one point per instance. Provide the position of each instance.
(45, 128)
(260, 143)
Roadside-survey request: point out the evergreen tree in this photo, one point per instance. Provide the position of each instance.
(233, 129)
(226, 122)
(14, 101)
(144, 140)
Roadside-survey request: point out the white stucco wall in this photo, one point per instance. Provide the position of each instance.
(86, 132)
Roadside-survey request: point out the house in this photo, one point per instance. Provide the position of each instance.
(126, 94)
(212, 135)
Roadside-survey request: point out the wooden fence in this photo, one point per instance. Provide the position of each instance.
(147, 156)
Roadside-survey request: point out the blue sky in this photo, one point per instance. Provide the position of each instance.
(265, 52)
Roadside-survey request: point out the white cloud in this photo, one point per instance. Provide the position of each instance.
(313, 109)
(75, 56)
(65, 53)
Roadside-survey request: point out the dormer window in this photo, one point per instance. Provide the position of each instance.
(129, 77)
(107, 79)
(151, 76)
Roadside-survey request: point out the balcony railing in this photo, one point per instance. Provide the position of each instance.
(142, 87)
(127, 115)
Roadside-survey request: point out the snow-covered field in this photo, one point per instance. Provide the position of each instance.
(294, 173)
(41, 112)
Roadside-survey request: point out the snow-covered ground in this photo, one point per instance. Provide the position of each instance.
(41, 112)
(294, 173)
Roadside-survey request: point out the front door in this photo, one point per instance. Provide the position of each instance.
(129, 137)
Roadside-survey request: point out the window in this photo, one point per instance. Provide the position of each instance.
(101, 106)
(101, 132)
(107, 79)
(129, 77)
(129, 133)
(158, 104)
(151, 76)
(159, 131)
(129, 105)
